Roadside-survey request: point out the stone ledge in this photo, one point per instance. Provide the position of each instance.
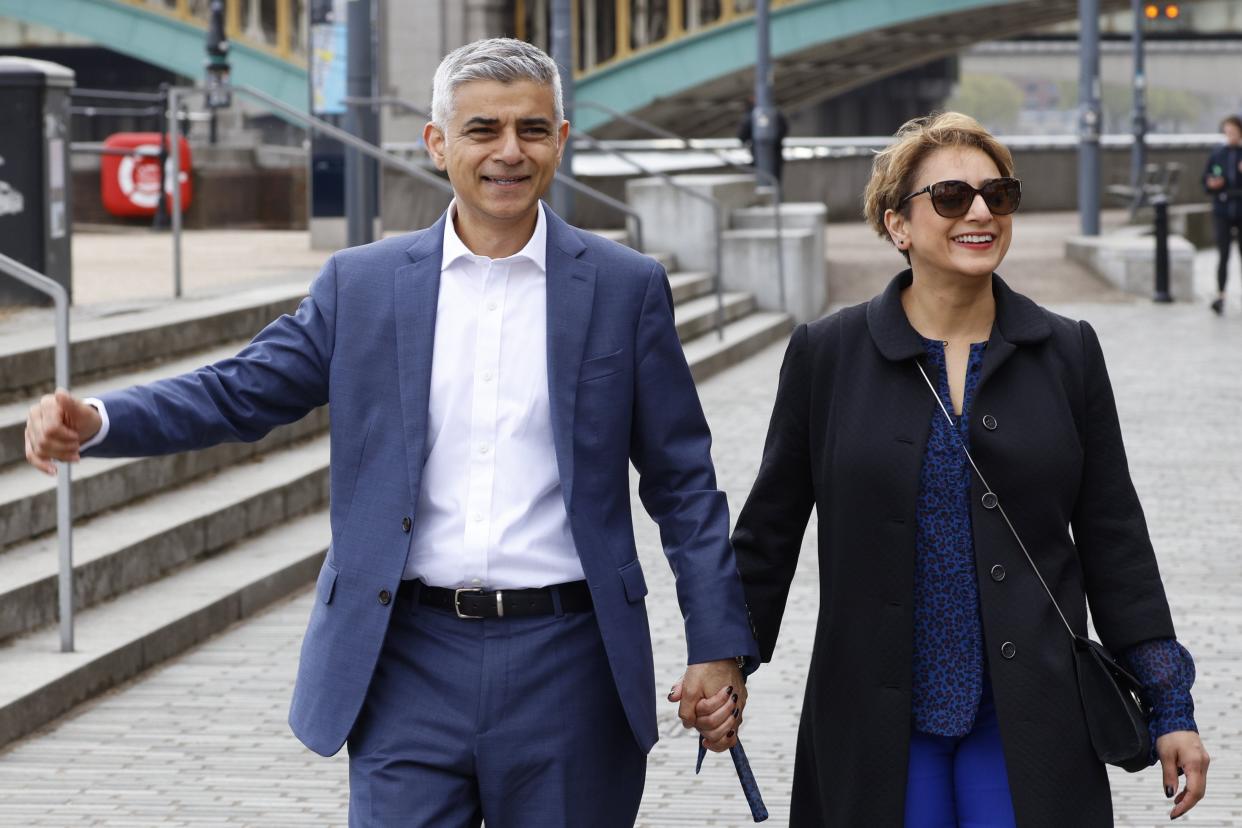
(1128, 261)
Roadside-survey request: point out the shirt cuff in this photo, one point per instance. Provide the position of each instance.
(1167, 673)
(104, 425)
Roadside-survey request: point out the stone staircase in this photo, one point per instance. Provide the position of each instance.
(170, 550)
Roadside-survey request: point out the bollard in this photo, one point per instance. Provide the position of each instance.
(1161, 205)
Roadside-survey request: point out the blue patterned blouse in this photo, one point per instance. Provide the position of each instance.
(948, 632)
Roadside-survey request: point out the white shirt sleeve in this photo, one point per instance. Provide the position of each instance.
(102, 434)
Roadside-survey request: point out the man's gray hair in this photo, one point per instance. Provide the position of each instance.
(502, 59)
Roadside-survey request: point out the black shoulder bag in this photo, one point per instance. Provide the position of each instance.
(1111, 699)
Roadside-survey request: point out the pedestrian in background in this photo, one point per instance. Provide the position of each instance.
(1222, 179)
(942, 688)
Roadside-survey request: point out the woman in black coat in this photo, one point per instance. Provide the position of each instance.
(942, 689)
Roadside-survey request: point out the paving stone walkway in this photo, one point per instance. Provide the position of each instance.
(203, 740)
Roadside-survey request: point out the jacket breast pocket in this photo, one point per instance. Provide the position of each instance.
(632, 579)
(326, 585)
(600, 367)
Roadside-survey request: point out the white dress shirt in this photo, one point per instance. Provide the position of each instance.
(490, 508)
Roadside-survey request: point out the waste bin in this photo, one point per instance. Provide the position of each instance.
(34, 174)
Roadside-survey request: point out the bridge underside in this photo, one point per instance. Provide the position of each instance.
(806, 75)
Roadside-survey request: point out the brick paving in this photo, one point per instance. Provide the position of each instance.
(203, 740)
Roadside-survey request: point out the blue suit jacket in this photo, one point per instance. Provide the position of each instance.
(620, 392)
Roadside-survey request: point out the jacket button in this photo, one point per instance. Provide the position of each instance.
(989, 422)
(989, 500)
(1008, 650)
(998, 573)
(385, 597)
(405, 525)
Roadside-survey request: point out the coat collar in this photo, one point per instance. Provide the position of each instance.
(1019, 321)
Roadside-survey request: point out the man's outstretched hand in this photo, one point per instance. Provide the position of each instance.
(712, 697)
(56, 427)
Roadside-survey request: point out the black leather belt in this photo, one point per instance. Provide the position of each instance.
(472, 602)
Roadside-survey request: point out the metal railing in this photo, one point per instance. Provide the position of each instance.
(64, 480)
(687, 143)
(561, 178)
(177, 94)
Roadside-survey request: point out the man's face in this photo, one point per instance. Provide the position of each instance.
(500, 147)
(1233, 135)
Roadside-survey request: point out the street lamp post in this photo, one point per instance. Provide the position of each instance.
(563, 55)
(763, 116)
(360, 171)
(216, 66)
(1089, 116)
(1138, 152)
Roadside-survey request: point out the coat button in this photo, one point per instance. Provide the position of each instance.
(998, 573)
(385, 597)
(989, 422)
(405, 525)
(1008, 650)
(989, 500)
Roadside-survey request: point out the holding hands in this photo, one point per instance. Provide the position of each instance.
(56, 427)
(712, 697)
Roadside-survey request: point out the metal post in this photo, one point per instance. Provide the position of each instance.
(563, 55)
(1161, 205)
(1089, 116)
(359, 173)
(64, 487)
(764, 116)
(174, 141)
(161, 207)
(1138, 152)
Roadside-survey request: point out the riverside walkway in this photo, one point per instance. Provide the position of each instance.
(202, 740)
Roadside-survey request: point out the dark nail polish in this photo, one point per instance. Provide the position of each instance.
(729, 735)
(735, 698)
(670, 695)
(736, 712)
(729, 690)
(1168, 792)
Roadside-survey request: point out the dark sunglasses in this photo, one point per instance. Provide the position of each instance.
(952, 199)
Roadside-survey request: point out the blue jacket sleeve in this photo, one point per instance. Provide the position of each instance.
(276, 379)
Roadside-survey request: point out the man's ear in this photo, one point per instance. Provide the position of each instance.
(562, 136)
(433, 137)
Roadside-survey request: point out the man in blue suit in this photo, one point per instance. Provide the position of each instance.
(479, 635)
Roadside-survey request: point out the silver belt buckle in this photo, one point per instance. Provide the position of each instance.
(457, 602)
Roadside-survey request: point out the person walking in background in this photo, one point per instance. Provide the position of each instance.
(1222, 179)
(942, 688)
(479, 635)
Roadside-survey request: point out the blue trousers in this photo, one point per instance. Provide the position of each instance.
(960, 781)
(515, 721)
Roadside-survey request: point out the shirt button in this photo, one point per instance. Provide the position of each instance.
(484, 449)
(989, 422)
(478, 518)
(989, 500)
(998, 573)
(487, 376)
(476, 581)
(406, 523)
(1008, 650)
(385, 597)
(491, 306)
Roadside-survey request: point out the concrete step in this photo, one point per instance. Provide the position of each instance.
(28, 498)
(119, 639)
(688, 286)
(697, 316)
(710, 355)
(106, 345)
(13, 414)
(126, 548)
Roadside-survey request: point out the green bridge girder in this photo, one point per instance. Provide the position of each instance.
(697, 85)
(161, 40)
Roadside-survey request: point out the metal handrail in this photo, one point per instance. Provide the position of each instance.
(64, 490)
(689, 144)
(561, 178)
(309, 121)
(717, 219)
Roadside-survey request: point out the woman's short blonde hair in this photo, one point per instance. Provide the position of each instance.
(894, 169)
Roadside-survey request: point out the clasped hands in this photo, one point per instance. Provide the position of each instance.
(711, 699)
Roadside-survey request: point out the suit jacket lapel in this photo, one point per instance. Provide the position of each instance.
(417, 289)
(570, 296)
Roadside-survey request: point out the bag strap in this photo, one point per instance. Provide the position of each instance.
(999, 507)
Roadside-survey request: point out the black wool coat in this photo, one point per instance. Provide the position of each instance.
(847, 436)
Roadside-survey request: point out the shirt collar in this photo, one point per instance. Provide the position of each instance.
(535, 251)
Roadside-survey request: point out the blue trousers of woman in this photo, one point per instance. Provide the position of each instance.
(960, 781)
